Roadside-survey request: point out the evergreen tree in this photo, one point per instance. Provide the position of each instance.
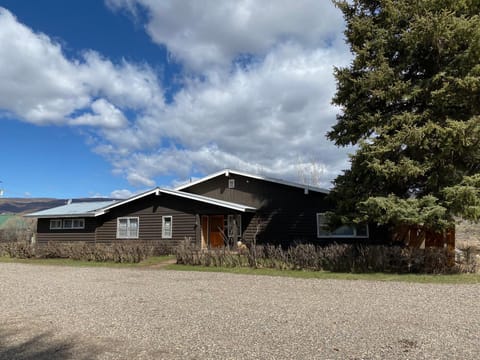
(410, 104)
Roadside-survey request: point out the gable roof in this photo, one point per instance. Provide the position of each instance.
(195, 197)
(92, 209)
(227, 172)
(83, 209)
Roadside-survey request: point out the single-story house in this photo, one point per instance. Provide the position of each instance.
(217, 210)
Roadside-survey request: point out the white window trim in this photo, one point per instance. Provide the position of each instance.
(234, 220)
(56, 227)
(82, 226)
(63, 221)
(231, 183)
(341, 236)
(128, 218)
(164, 235)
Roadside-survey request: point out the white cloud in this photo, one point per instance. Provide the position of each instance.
(39, 84)
(209, 33)
(267, 113)
(270, 118)
(121, 194)
(104, 115)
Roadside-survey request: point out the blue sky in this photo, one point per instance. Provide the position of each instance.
(111, 98)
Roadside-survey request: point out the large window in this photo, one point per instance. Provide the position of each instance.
(67, 224)
(127, 228)
(344, 231)
(167, 227)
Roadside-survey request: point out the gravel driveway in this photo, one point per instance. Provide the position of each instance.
(50, 312)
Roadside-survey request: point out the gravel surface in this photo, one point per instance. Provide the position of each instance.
(52, 312)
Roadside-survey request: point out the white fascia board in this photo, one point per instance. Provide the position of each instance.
(133, 198)
(209, 200)
(159, 191)
(227, 172)
(198, 181)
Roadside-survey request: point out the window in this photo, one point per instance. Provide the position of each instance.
(234, 226)
(360, 230)
(231, 183)
(78, 224)
(127, 228)
(67, 224)
(167, 227)
(55, 224)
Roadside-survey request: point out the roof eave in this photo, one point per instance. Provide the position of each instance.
(211, 201)
(227, 172)
(53, 216)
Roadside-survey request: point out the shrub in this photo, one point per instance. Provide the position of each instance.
(20, 250)
(121, 251)
(336, 257)
(467, 257)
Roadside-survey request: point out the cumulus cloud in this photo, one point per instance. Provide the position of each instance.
(121, 194)
(269, 118)
(39, 84)
(256, 89)
(209, 33)
(104, 114)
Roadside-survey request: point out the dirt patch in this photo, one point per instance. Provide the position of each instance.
(161, 265)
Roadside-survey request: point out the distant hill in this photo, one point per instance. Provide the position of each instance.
(23, 206)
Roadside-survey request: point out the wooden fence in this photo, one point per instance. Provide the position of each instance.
(419, 236)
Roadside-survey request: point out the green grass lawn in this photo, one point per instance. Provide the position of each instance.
(420, 278)
(151, 261)
(159, 260)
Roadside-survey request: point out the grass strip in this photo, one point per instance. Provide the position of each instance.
(153, 260)
(305, 274)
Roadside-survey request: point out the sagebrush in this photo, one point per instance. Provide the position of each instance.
(120, 252)
(336, 257)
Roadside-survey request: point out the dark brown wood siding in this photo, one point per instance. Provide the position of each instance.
(44, 234)
(285, 214)
(149, 210)
(185, 215)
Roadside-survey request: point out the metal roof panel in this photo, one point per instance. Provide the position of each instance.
(74, 209)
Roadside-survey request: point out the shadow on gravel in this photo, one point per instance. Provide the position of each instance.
(41, 347)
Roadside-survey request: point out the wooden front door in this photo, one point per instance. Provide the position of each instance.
(216, 231)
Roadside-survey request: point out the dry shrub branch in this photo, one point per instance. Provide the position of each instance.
(336, 257)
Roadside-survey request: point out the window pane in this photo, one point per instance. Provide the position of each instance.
(239, 225)
(344, 230)
(231, 225)
(323, 232)
(323, 229)
(133, 228)
(67, 224)
(167, 227)
(55, 224)
(78, 223)
(133, 224)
